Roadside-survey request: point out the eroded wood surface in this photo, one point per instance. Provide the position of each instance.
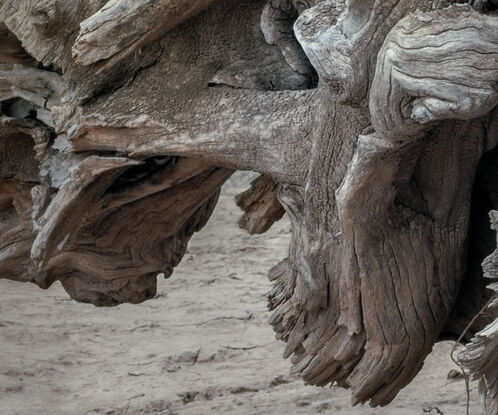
(373, 123)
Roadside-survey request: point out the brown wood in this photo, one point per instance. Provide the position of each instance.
(261, 206)
(372, 122)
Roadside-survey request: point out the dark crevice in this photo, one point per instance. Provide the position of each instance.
(143, 68)
(488, 6)
(481, 242)
(50, 68)
(220, 85)
(18, 108)
(142, 172)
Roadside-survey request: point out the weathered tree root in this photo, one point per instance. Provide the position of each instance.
(385, 165)
(401, 240)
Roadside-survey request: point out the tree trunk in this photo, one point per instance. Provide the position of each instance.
(373, 123)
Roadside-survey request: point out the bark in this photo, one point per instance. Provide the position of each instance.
(372, 121)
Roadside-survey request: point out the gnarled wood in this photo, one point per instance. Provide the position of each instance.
(384, 166)
(373, 281)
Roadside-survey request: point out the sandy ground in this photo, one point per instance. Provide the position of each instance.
(202, 346)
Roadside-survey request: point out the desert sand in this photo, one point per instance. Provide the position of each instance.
(202, 346)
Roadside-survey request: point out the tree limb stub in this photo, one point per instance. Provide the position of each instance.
(248, 131)
(261, 206)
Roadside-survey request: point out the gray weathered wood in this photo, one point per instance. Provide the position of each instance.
(124, 26)
(385, 164)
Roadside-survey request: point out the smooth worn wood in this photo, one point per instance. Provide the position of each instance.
(372, 122)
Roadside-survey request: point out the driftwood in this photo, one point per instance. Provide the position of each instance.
(373, 122)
